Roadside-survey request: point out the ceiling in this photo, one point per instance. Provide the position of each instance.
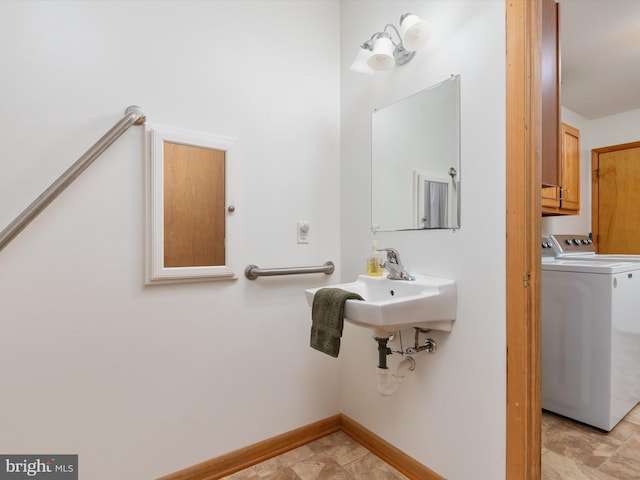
(600, 56)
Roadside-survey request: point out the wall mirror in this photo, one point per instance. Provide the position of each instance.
(415, 161)
(188, 214)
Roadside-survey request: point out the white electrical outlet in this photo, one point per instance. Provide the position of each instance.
(303, 231)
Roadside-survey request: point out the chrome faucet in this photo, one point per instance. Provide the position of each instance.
(394, 265)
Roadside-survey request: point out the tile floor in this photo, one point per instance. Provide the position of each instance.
(334, 457)
(573, 451)
(570, 451)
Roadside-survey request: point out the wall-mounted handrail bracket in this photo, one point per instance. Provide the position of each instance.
(253, 271)
(134, 115)
(140, 116)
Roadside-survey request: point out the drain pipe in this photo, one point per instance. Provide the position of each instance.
(383, 351)
(387, 388)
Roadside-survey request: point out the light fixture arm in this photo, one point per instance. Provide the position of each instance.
(400, 54)
(369, 43)
(397, 34)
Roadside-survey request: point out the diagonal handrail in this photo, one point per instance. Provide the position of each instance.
(134, 115)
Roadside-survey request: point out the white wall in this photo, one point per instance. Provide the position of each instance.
(614, 129)
(142, 381)
(450, 413)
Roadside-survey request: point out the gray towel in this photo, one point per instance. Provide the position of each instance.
(327, 316)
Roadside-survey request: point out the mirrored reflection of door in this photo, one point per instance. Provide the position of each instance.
(435, 206)
(194, 219)
(435, 200)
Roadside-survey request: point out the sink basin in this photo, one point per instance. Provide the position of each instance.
(391, 305)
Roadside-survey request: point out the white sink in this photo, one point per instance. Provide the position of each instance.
(391, 305)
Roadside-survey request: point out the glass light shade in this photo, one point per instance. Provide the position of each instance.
(382, 56)
(414, 32)
(360, 65)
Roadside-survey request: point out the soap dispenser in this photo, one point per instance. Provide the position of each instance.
(373, 264)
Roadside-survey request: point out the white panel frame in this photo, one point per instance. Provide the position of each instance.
(419, 177)
(155, 271)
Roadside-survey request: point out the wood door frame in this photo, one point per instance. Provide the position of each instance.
(595, 187)
(523, 216)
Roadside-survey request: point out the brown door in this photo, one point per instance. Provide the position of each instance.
(616, 198)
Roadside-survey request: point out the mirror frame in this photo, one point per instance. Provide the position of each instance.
(155, 271)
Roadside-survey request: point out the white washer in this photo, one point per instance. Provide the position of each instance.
(579, 246)
(590, 335)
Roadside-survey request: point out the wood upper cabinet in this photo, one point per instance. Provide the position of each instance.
(570, 169)
(565, 198)
(550, 92)
(560, 149)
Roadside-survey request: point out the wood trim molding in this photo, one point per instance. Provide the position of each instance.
(615, 148)
(237, 460)
(595, 198)
(523, 193)
(387, 452)
(258, 452)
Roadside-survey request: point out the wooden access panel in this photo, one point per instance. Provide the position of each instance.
(616, 198)
(194, 199)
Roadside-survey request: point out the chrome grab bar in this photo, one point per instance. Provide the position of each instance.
(253, 271)
(134, 115)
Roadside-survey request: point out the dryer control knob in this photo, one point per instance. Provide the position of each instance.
(568, 241)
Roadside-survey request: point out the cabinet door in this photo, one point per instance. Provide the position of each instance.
(570, 169)
(550, 93)
(550, 197)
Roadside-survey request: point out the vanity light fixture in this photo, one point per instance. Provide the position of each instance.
(380, 52)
